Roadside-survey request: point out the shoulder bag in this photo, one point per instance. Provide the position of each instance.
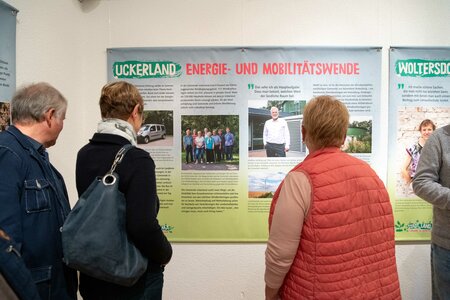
(94, 236)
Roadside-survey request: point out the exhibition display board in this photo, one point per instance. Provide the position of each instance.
(7, 60)
(214, 88)
(419, 89)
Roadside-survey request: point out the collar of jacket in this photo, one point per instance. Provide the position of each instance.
(322, 151)
(109, 139)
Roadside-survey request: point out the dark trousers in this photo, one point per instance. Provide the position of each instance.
(229, 152)
(189, 153)
(217, 153)
(148, 287)
(275, 150)
(209, 155)
(440, 272)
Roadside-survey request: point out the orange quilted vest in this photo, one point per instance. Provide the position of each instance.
(347, 247)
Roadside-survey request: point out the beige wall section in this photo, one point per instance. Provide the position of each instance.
(64, 43)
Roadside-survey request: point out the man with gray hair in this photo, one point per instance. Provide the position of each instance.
(33, 197)
(276, 137)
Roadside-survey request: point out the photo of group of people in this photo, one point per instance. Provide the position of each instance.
(210, 140)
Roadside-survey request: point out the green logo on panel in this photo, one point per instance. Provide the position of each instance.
(146, 69)
(413, 226)
(167, 228)
(422, 68)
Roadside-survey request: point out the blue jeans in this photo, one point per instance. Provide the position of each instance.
(153, 286)
(198, 153)
(229, 152)
(149, 287)
(440, 272)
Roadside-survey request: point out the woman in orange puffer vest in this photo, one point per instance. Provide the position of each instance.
(331, 227)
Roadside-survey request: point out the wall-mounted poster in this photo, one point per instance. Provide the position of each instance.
(7, 61)
(419, 102)
(218, 162)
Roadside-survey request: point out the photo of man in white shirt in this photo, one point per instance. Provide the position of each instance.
(276, 136)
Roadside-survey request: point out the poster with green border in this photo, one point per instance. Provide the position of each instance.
(419, 93)
(230, 90)
(7, 61)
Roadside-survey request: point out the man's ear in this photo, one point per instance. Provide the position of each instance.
(48, 115)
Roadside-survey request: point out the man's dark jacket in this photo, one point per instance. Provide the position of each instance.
(33, 207)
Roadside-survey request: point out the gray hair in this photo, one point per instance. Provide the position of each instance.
(31, 102)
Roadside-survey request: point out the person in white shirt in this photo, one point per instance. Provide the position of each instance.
(276, 136)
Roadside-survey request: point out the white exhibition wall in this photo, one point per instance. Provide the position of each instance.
(64, 43)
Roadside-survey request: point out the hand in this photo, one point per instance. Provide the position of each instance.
(4, 236)
(272, 294)
(406, 177)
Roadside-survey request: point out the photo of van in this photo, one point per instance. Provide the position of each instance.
(151, 132)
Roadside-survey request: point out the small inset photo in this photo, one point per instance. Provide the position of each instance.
(156, 129)
(275, 129)
(359, 135)
(5, 115)
(264, 184)
(210, 143)
(415, 125)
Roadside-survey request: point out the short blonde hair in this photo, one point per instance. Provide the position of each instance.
(325, 120)
(118, 100)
